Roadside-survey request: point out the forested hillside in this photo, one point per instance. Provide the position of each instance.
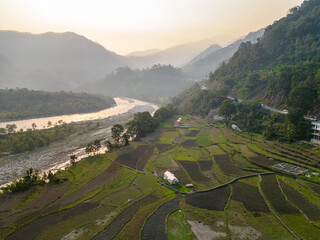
(24, 103)
(283, 67)
(160, 81)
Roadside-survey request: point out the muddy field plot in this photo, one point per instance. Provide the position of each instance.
(162, 147)
(194, 171)
(205, 165)
(130, 159)
(155, 226)
(249, 196)
(227, 166)
(189, 143)
(316, 189)
(193, 133)
(33, 229)
(143, 159)
(212, 200)
(173, 129)
(263, 161)
(117, 223)
(311, 210)
(182, 177)
(271, 190)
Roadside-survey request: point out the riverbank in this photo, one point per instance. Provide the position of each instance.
(57, 154)
(123, 105)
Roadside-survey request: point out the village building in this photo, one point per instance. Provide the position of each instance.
(315, 125)
(235, 127)
(170, 177)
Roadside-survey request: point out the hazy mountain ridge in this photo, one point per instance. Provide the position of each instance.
(210, 59)
(144, 53)
(44, 61)
(159, 81)
(176, 55)
(211, 49)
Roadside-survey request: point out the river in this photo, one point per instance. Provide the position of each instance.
(57, 154)
(122, 105)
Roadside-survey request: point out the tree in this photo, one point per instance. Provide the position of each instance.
(49, 124)
(301, 98)
(125, 139)
(96, 145)
(3, 131)
(34, 126)
(227, 109)
(11, 128)
(116, 130)
(141, 124)
(89, 149)
(73, 159)
(109, 145)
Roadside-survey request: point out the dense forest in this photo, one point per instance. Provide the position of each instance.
(159, 81)
(284, 65)
(24, 103)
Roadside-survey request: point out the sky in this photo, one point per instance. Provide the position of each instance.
(124, 26)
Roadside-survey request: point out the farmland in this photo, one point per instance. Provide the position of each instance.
(235, 191)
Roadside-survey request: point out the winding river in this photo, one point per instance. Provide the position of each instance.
(123, 105)
(57, 154)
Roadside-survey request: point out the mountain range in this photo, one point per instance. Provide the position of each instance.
(212, 57)
(68, 61)
(52, 61)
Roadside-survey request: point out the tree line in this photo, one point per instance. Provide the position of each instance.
(21, 141)
(24, 103)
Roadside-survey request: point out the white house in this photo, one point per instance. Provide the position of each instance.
(235, 127)
(315, 132)
(170, 177)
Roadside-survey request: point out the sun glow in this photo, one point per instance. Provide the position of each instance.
(126, 25)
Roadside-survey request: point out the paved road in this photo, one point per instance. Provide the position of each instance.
(265, 107)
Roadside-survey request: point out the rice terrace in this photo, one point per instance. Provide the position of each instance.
(228, 189)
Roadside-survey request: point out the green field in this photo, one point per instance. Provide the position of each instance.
(96, 191)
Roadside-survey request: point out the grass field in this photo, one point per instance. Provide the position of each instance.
(177, 228)
(204, 141)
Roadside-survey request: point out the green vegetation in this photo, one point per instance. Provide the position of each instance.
(97, 194)
(284, 60)
(30, 179)
(204, 141)
(29, 140)
(24, 103)
(177, 229)
(150, 84)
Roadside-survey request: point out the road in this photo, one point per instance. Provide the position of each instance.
(262, 105)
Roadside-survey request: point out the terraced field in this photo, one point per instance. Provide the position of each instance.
(122, 195)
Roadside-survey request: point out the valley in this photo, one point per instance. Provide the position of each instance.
(55, 156)
(122, 194)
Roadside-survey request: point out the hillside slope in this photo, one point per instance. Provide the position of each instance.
(283, 67)
(211, 58)
(53, 61)
(160, 81)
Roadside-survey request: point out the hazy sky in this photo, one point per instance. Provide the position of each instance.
(124, 26)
